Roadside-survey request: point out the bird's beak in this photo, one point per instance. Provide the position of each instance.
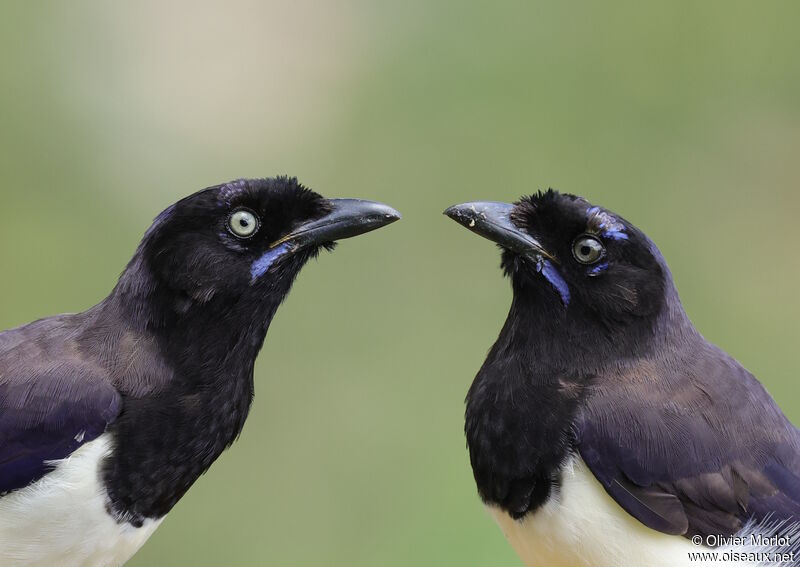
(492, 220)
(348, 217)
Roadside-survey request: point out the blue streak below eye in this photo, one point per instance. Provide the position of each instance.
(260, 266)
(598, 269)
(551, 274)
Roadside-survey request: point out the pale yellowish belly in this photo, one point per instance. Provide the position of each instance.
(582, 526)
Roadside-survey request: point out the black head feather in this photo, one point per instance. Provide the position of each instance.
(191, 255)
(625, 284)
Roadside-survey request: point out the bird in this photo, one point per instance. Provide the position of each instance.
(603, 429)
(107, 417)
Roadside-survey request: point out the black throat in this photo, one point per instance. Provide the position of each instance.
(172, 430)
(526, 396)
(519, 411)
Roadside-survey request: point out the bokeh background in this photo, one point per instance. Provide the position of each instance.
(684, 117)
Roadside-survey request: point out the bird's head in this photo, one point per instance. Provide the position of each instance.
(243, 242)
(574, 266)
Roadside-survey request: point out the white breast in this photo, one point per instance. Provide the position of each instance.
(584, 527)
(62, 520)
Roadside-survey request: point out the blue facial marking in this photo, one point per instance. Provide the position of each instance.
(551, 274)
(615, 235)
(260, 266)
(598, 269)
(605, 223)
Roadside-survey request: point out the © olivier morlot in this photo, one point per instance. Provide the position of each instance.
(145, 390)
(603, 429)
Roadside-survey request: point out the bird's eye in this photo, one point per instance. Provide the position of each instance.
(243, 223)
(588, 250)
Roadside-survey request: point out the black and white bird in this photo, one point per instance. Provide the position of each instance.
(107, 417)
(603, 429)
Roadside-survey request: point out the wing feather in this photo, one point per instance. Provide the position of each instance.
(693, 446)
(52, 401)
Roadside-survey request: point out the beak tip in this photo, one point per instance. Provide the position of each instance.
(452, 212)
(462, 214)
(389, 214)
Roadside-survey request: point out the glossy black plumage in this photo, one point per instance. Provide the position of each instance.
(601, 361)
(165, 363)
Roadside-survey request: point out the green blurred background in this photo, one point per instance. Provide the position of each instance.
(684, 117)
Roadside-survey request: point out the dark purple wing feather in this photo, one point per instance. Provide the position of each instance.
(692, 445)
(52, 400)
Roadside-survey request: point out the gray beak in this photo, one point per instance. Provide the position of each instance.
(348, 218)
(492, 220)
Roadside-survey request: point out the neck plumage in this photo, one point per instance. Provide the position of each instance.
(172, 430)
(204, 331)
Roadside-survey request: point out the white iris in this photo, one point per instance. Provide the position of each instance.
(243, 223)
(588, 250)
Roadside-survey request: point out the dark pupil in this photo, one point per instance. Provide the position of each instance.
(586, 250)
(244, 224)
